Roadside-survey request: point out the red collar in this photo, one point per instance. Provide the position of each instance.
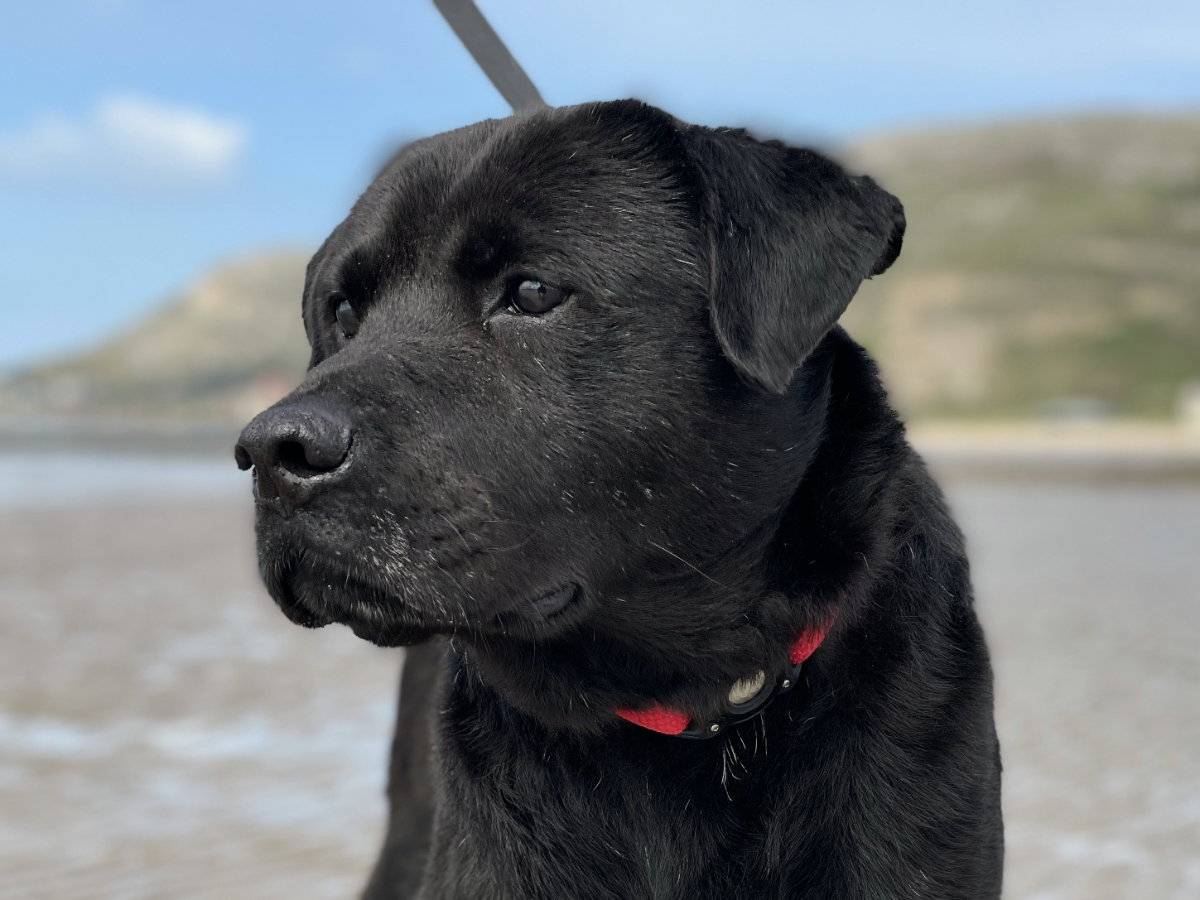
(679, 723)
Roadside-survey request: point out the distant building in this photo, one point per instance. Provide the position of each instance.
(1189, 404)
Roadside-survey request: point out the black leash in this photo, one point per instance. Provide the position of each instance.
(489, 51)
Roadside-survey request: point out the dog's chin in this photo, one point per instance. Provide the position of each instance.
(283, 593)
(391, 634)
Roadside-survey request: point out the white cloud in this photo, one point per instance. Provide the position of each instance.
(127, 139)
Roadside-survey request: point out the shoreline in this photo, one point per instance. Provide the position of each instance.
(1120, 449)
(1092, 451)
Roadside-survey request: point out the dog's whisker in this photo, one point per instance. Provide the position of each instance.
(446, 519)
(686, 563)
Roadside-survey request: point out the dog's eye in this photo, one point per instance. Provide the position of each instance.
(534, 297)
(347, 318)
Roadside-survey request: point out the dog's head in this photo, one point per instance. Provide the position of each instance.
(563, 377)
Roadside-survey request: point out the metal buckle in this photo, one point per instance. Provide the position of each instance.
(735, 714)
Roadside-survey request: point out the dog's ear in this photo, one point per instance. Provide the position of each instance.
(791, 237)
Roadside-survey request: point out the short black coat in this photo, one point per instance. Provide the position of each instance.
(689, 448)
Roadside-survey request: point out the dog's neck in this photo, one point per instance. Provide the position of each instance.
(823, 546)
(795, 573)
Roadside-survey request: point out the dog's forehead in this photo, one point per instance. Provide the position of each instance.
(560, 185)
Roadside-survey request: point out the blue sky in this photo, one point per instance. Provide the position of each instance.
(141, 142)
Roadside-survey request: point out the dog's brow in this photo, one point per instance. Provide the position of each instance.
(359, 273)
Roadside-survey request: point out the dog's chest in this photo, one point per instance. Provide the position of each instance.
(562, 819)
(560, 845)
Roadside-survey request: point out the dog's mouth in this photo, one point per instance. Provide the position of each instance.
(313, 592)
(556, 602)
(550, 615)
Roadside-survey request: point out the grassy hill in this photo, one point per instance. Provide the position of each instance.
(1049, 265)
(227, 346)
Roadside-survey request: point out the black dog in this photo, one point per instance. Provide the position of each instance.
(578, 402)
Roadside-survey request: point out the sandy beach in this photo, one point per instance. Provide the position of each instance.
(164, 732)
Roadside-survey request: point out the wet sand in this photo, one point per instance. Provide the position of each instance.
(165, 732)
(1091, 600)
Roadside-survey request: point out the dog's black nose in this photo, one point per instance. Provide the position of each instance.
(291, 446)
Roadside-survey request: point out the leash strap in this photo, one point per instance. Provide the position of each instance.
(489, 52)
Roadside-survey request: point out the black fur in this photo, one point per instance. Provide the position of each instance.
(694, 451)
